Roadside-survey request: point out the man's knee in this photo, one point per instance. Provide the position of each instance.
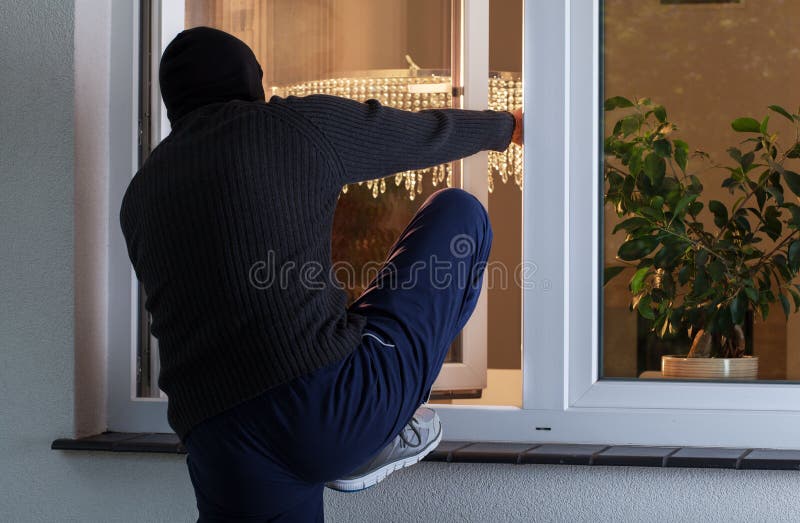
(461, 203)
(472, 228)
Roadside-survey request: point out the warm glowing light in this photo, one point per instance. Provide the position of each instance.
(415, 91)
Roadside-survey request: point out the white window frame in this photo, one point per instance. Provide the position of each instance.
(563, 399)
(125, 412)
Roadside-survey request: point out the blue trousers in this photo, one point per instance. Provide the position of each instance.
(268, 458)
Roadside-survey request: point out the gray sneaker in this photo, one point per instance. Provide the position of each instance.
(417, 439)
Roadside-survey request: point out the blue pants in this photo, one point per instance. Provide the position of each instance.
(268, 458)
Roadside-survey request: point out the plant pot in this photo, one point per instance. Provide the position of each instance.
(744, 368)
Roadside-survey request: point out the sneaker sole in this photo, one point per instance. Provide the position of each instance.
(378, 475)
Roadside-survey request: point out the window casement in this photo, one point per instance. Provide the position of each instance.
(443, 35)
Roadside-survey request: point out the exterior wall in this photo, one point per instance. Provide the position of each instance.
(494, 492)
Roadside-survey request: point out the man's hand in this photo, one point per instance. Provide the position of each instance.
(516, 137)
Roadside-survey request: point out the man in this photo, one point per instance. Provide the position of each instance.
(275, 386)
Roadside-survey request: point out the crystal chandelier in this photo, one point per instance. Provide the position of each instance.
(414, 90)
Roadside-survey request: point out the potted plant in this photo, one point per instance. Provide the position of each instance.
(689, 276)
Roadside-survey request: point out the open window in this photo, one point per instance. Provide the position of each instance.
(410, 54)
(581, 377)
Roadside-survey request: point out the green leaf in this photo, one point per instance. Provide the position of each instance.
(761, 197)
(610, 272)
(747, 161)
(701, 257)
(743, 223)
(794, 255)
(628, 185)
(657, 202)
(781, 111)
(793, 181)
(637, 248)
(653, 214)
(795, 298)
(663, 257)
(644, 308)
(637, 282)
(630, 124)
(672, 190)
(787, 308)
(635, 161)
(794, 222)
(750, 252)
(668, 285)
(681, 153)
(700, 284)
(720, 212)
(660, 113)
(686, 200)
(662, 148)
(631, 224)
(696, 185)
(716, 269)
(763, 127)
(746, 125)
(655, 168)
(776, 192)
(684, 274)
(738, 308)
(794, 152)
(752, 294)
(772, 225)
(764, 308)
(735, 153)
(774, 167)
(617, 102)
(695, 208)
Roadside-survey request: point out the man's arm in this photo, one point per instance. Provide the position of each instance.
(373, 140)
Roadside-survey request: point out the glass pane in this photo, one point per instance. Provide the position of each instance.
(711, 280)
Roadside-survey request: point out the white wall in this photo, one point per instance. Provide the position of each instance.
(495, 493)
(39, 338)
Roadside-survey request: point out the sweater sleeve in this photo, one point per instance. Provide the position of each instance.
(373, 140)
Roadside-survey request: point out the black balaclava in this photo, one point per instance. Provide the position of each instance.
(203, 66)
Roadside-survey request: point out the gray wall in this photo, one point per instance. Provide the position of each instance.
(37, 363)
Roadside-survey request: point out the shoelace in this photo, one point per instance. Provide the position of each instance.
(414, 426)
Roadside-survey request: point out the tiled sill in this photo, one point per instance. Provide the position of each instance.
(519, 453)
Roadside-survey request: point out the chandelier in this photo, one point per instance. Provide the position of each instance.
(414, 90)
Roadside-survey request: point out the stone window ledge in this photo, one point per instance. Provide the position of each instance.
(517, 453)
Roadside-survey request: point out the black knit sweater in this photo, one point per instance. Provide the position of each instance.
(228, 226)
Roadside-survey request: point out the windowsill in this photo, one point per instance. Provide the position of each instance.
(517, 453)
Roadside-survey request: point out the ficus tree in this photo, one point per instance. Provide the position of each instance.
(692, 277)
